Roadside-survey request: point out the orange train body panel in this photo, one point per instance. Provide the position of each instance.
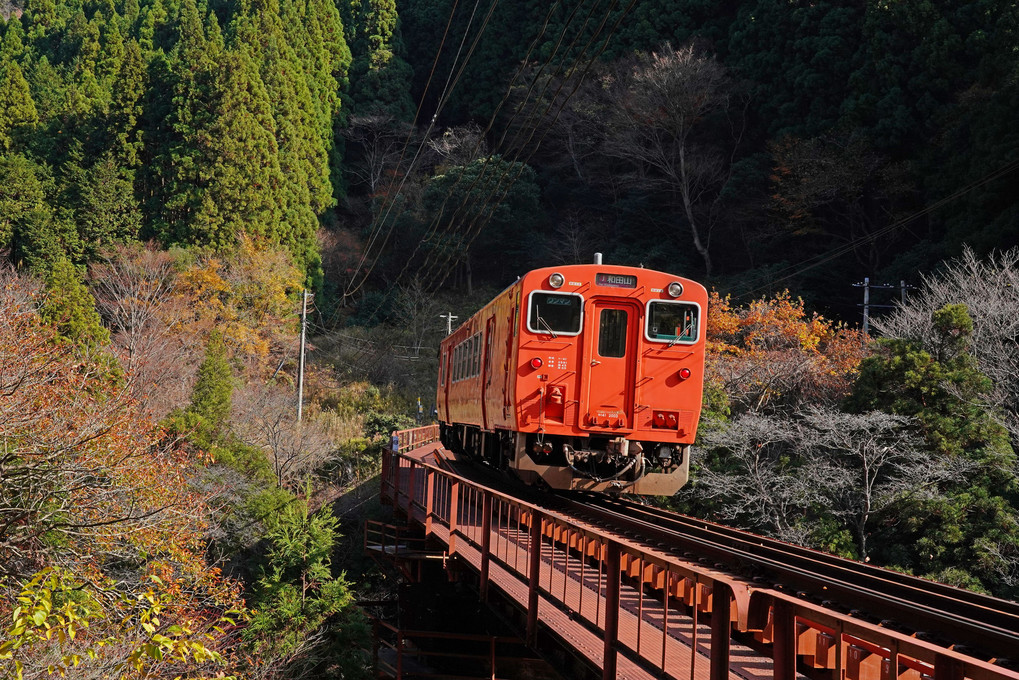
(595, 383)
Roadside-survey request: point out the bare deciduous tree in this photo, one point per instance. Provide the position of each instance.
(379, 140)
(264, 416)
(862, 463)
(136, 295)
(840, 186)
(460, 145)
(751, 484)
(772, 473)
(661, 102)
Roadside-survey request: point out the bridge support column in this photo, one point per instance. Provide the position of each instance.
(720, 631)
(429, 501)
(611, 610)
(946, 668)
(411, 491)
(454, 514)
(533, 574)
(784, 645)
(486, 544)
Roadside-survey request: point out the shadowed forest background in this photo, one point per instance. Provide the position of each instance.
(174, 173)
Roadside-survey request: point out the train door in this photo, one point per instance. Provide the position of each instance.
(486, 372)
(447, 378)
(610, 363)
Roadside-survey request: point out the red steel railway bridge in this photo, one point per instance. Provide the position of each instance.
(625, 598)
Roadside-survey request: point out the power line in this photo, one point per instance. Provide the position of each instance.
(492, 119)
(417, 114)
(491, 122)
(475, 232)
(442, 102)
(831, 254)
(496, 187)
(472, 233)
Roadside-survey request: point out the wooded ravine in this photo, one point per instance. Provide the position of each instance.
(174, 174)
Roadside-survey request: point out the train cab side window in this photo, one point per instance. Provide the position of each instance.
(476, 366)
(554, 313)
(673, 322)
(474, 357)
(612, 333)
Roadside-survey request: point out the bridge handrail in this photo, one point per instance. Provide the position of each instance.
(437, 491)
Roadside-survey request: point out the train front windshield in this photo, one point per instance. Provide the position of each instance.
(555, 313)
(673, 322)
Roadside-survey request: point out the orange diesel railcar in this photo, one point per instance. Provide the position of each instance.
(583, 376)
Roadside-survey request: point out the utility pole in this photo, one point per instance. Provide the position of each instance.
(867, 305)
(300, 367)
(450, 318)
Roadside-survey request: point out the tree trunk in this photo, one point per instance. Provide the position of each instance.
(684, 188)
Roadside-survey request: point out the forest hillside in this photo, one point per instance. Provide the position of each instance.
(181, 179)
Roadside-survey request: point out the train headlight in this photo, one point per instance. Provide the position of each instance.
(675, 289)
(536, 363)
(556, 280)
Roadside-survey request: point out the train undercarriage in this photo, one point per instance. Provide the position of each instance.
(599, 462)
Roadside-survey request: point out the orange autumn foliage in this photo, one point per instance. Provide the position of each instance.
(93, 487)
(771, 353)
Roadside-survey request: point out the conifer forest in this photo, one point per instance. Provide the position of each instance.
(179, 179)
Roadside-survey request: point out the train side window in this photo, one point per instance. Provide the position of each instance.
(555, 313)
(442, 368)
(456, 365)
(673, 322)
(612, 333)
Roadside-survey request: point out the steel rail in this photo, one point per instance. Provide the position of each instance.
(983, 623)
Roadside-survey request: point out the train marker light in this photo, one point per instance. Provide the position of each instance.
(684, 373)
(556, 280)
(536, 362)
(675, 289)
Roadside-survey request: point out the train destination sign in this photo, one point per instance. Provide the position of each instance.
(616, 280)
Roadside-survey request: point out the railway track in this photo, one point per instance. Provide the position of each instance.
(986, 627)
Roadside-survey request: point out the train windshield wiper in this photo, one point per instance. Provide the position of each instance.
(551, 332)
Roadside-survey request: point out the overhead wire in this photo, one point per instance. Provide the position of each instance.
(431, 230)
(833, 253)
(492, 188)
(562, 105)
(522, 66)
(384, 212)
(442, 102)
(473, 231)
(417, 114)
(530, 115)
